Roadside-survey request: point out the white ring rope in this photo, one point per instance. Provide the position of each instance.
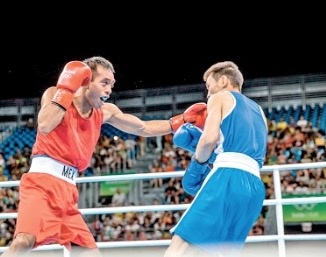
(174, 174)
(278, 202)
(174, 207)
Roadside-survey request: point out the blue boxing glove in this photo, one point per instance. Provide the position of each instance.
(187, 137)
(194, 176)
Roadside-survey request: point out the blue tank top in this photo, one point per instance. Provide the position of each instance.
(244, 129)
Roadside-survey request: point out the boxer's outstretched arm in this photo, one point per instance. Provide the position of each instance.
(132, 124)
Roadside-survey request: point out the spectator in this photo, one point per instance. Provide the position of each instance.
(302, 122)
(156, 182)
(281, 125)
(131, 147)
(118, 198)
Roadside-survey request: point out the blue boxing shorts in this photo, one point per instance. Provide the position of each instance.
(223, 211)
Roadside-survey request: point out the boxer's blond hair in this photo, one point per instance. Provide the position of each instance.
(227, 68)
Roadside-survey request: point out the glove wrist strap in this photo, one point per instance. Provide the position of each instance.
(197, 166)
(200, 163)
(63, 98)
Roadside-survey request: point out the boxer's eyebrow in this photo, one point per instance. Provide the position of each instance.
(108, 81)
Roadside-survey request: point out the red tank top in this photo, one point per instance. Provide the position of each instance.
(73, 141)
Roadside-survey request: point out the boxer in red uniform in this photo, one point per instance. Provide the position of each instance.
(69, 126)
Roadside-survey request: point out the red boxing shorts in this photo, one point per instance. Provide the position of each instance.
(48, 210)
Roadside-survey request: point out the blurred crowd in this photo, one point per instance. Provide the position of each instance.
(293, 142)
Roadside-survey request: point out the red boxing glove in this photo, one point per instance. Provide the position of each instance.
(74, 75)
(195, 114)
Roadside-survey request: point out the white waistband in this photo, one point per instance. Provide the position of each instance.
(238, 161)
(45, 164)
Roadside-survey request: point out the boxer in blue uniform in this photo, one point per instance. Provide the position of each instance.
(229, 194)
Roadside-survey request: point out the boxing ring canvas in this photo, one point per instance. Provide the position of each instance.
(278, 245)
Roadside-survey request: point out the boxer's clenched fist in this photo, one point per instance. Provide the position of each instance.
(74, 75)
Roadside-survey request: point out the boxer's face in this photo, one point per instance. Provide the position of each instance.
(100, 88)
(212, 85)
(215, 85)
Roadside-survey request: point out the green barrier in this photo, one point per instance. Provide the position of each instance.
(108, 188)
(307, 212)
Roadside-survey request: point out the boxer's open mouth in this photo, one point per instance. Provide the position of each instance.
(104, 98)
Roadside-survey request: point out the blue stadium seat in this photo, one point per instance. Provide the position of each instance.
(315, 115)
(289, 114)
(280, 114)
(273, 113)
(323, 118)
(297, 113)
(307, 111)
